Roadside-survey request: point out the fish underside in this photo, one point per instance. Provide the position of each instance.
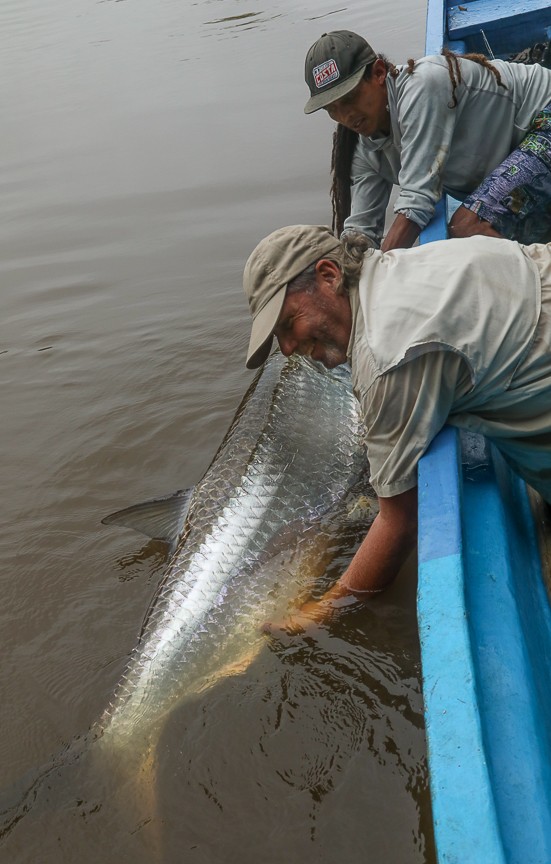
(248, 541)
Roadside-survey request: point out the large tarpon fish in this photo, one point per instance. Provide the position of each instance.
(247, 542)
(294, 450)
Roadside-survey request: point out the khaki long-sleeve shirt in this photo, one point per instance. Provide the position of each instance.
(455, 332)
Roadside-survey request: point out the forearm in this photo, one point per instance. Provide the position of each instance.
(380, 556)
(402, 234)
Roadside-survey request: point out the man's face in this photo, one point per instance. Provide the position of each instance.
(317, 325)
(364, 109)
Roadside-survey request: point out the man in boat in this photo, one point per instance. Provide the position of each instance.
(446, 123)
(454, 332)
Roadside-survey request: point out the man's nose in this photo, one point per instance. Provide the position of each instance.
(286, 344)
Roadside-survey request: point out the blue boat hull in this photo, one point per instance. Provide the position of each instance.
(484, 615)
(485, 630)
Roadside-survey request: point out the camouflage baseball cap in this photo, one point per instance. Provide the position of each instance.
(334, 65)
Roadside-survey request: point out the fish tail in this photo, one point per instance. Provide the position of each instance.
(136, 795)
(146, 799)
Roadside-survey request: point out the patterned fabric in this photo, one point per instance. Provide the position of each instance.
(516, 197)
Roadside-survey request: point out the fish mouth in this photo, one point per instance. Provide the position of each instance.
(339, 373)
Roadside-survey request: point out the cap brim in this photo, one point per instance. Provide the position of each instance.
(262, 332)
(322, 100)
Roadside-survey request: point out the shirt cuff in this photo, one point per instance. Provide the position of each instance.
(420, 219)
(389, 490)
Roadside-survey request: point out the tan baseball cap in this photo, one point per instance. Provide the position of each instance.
(277, 260)
(334, 65)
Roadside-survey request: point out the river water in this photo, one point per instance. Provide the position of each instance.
(147, 146)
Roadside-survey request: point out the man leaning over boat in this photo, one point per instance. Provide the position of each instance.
(466, 126)
(454, 332)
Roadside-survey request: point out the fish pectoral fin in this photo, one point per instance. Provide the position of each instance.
(160, 518)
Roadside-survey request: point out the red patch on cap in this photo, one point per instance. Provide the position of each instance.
(325, 73)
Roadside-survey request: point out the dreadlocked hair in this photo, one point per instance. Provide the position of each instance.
(454, 69)
(344, 144)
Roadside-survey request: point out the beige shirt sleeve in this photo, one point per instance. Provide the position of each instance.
(404, 409)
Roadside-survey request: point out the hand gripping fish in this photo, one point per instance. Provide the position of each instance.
(246, 538)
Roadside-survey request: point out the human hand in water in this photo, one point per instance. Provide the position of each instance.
(313, 612)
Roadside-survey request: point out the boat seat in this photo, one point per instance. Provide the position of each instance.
(491, 27)
(466, 19)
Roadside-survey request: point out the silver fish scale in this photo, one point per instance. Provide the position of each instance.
(295, 447)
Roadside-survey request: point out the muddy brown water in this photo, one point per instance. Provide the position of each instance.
(147, 146)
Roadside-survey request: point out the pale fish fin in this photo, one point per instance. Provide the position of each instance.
(135, 777)
(145, 787)
(160, 519)
(233, 668)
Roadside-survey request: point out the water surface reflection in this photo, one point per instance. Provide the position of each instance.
(149, 146)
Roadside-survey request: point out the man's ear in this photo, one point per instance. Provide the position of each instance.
(379, 72)
(330, 273)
